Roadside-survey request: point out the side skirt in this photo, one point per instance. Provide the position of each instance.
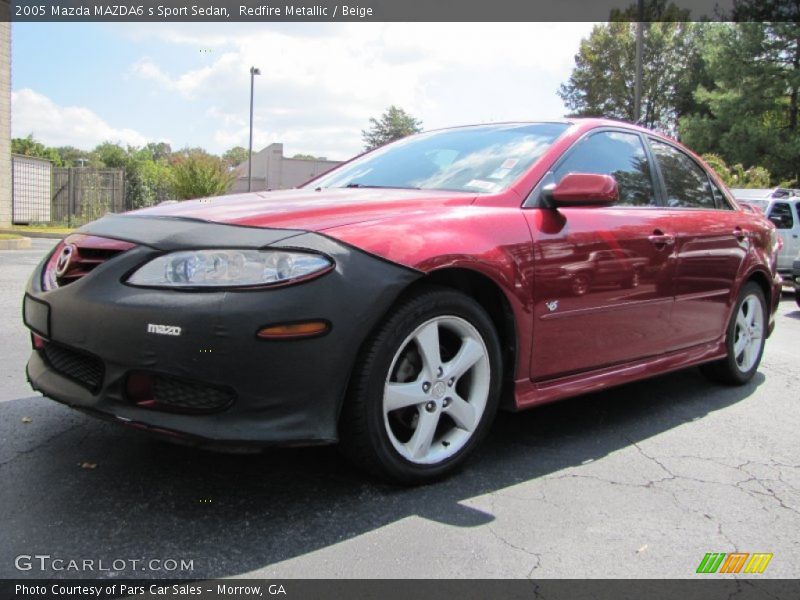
(529, 393)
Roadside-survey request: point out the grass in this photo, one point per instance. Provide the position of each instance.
(9, 236)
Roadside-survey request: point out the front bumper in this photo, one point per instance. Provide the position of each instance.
(284, 392)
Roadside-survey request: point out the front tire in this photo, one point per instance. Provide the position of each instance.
(425, 388)
(746, 335)
(634, 280)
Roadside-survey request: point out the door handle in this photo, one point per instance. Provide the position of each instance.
(660, 239)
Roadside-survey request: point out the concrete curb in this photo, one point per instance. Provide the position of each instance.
(35, 234)
(15, 244)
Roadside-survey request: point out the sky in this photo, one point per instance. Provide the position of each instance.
(188, 84)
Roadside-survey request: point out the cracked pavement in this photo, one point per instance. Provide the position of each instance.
(638, 481)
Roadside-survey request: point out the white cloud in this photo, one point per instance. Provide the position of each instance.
(321, 83)
(56, 125)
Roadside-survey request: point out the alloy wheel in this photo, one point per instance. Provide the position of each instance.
(748, 333)
(436, 390)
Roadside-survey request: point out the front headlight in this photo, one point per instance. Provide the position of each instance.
(229, 268)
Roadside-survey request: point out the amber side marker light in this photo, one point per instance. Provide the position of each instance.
(294, 331)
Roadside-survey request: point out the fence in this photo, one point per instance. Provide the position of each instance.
(63, 196)
(82, 194)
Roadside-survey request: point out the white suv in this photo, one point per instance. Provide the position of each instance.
(782, 207)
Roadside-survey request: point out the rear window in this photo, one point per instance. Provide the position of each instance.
(687, 184)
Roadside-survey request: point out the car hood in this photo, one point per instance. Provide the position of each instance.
(308, 209)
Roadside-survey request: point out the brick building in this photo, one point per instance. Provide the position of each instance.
(5, 116)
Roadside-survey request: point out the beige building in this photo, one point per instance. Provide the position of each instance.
(5, 116)
(273, 171)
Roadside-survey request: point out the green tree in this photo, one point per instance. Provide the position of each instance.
(72, 157)
(158, 150)
(602, 83)
(148, 173)
(109, 154)
(28, 146)
(235, 156)
(393, 124)
(198, 175)
(750, 106)
(737, 176)
(154, 179)
(309, 157)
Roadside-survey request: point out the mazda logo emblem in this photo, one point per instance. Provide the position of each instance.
(62, 264)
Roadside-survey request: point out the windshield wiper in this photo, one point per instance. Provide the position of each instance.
(354, 184)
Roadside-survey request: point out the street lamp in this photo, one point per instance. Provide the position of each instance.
(253, 72)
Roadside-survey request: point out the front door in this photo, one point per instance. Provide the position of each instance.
(603, 288)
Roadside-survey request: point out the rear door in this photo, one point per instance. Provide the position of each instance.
(712, 242)
(602, 289)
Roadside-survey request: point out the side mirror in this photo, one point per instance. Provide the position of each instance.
(582, 189)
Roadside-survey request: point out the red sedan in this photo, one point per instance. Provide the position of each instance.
(396, 302)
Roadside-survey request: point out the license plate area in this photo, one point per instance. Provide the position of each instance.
(36, 316)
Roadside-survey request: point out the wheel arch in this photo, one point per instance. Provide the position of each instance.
(762, 280)
(490, 295)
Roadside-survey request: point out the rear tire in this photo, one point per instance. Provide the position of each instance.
(425, 388)
(746, 334)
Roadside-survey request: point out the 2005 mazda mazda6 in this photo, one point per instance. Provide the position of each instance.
(395, 303)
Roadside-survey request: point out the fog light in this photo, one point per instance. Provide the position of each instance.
(139, 389)
(305, 329)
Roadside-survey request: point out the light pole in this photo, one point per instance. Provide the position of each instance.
(253, 72)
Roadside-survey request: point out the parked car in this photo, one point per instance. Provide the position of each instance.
(782, 207)
(618, 267)
(394, 303)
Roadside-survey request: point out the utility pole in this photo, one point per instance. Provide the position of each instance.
(253, 72)
(637, 94)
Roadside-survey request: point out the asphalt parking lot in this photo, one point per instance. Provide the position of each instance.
(639, 481)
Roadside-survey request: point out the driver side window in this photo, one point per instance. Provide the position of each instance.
(618, 154)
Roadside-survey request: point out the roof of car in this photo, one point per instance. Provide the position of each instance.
(586, 123)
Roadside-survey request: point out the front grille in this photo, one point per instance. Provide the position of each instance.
(82, 368)
(173, 394)
(79, 255)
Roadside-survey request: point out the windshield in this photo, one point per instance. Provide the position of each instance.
(485, 159)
